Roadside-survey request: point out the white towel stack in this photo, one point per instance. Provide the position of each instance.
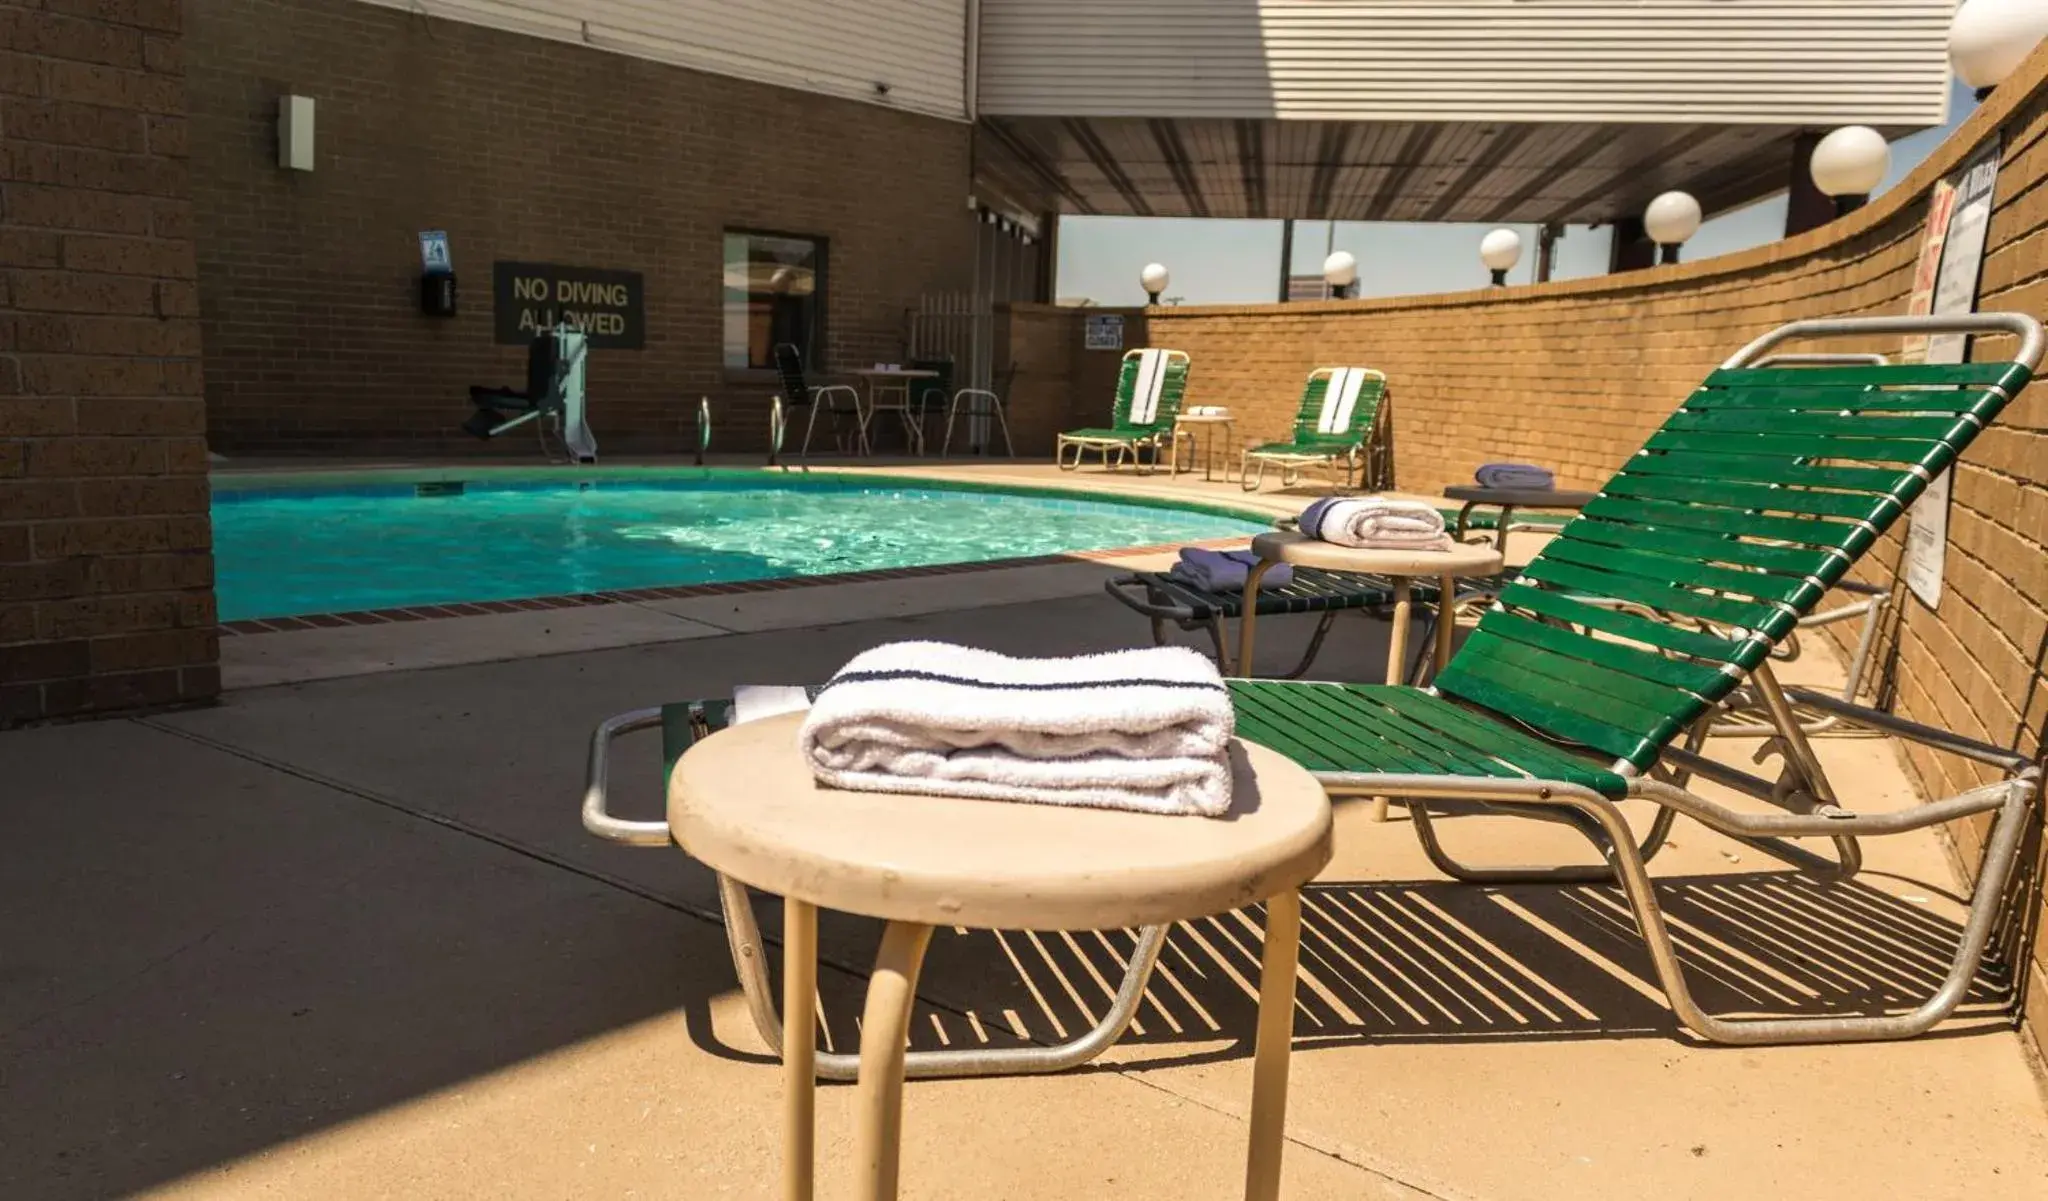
(1146, 730)
(1376, 522)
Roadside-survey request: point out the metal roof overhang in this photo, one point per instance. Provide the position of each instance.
(1482, 171)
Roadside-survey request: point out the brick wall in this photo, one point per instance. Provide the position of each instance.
(529, 150)
(1060, 384)
(105, 575)
(1575, 374)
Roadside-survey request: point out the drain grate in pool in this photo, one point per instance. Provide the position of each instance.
(438, 488)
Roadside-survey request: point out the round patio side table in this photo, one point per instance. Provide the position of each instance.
(1507, 500)
(1462, 560)
(744, 803)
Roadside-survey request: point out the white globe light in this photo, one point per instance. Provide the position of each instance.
(1851, 161)
(1990, 38)
(1500, 250)
(1672, 218)
(1154, 277)
(1340, 269)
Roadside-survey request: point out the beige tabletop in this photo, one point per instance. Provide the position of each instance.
(893, 373)
(1287, 546)
(744, 802)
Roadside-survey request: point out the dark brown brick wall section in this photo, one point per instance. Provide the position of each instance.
(523, 149)
(106, 578)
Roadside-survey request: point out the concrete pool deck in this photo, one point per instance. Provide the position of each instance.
(344, 937)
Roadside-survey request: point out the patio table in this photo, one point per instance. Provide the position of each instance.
(744, 803)
(1211, 425)
(1462, 561)
(898, 380)
(1507, 500)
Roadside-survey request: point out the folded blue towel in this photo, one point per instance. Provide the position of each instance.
(1225, 571)
(1514, 475)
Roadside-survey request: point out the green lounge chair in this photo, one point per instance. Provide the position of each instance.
(1345, 418)
(1148, 394)
(1742, 511)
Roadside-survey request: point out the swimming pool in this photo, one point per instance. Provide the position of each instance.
(283, 550)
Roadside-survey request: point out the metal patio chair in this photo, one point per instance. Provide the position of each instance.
(837, 399)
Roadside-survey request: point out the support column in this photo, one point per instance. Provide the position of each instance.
(1048, 258)
(1806, 206)
(1546, 250)
(1286, 256)
(1633, 249)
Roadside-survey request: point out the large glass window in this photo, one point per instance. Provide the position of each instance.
(774, 292)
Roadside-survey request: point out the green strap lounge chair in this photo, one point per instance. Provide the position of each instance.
(1742, 512)
(682, 724)
(1148, 394)
(1345, 419)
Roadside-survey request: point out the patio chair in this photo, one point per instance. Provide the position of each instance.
(836, 399)
(983, 403)
(1344, 418)
(1148, 395)
(682, 725)
(1750, 503)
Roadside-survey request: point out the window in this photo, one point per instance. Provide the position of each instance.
(774, 292)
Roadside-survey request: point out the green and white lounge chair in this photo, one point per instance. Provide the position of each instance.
(1743, 511)
(1345, 419)
(1148, 394)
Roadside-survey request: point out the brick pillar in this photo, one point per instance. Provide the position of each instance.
(106, 579)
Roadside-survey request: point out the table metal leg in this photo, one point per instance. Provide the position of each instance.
(1276, 1035)
(1500, 532)
(1397, 659)
(884, 1037)
(799, 1048)
(1248, 615)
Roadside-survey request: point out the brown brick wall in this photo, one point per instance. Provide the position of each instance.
(106, 578)
(528, 150)
(1575, 374)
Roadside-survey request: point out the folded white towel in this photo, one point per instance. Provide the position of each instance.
(1376, 522)
(1226, 570)
(1146, 730)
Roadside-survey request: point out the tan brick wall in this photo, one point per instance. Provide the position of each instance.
(1575, 374)
(524, 149)
(105, 573)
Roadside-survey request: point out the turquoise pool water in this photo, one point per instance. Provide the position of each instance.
(283, 551)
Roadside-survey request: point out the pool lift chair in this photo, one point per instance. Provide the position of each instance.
(553, 397)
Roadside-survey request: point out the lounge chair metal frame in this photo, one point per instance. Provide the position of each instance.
(1365, 451)
(1126, 440)
(1523, 754)
(683, 723)
(1326, 593)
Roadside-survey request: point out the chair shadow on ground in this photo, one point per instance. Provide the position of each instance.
(1434, 961)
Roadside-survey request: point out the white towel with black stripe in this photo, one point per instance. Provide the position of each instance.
(1146, 730)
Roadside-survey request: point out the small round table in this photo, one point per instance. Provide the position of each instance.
(1400, 566)
(1507, 500)
(744, 803)
(1214, 423)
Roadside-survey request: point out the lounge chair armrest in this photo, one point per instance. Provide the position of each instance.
(597, 781)
(1931, 736)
